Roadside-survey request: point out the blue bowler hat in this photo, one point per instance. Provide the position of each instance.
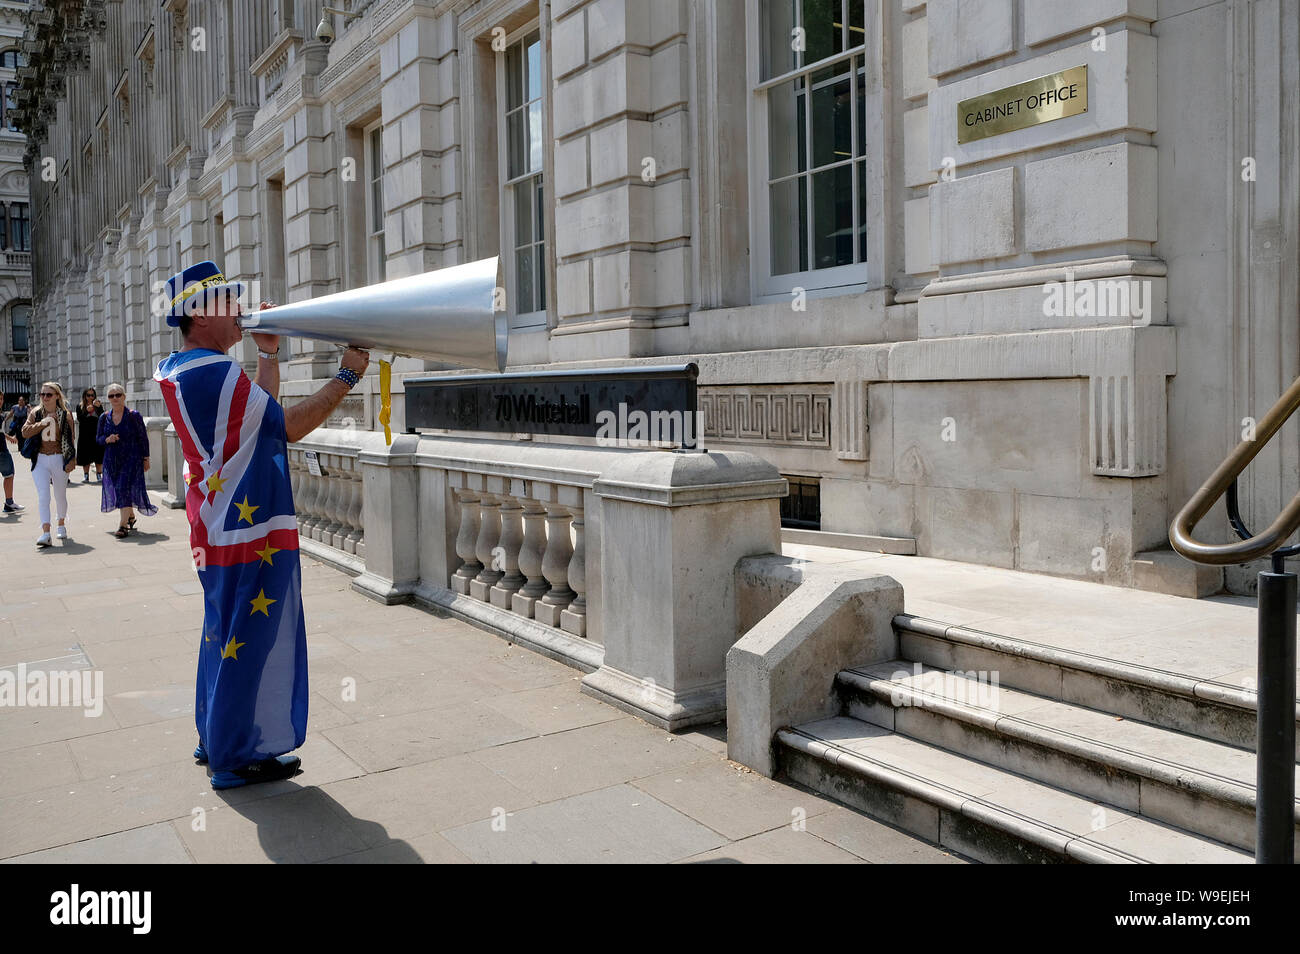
(193, 286)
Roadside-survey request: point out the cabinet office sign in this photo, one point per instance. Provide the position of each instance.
(634, 404)
(1035, 101)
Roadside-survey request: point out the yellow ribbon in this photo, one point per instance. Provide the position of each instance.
(217, 279)
(385, 399)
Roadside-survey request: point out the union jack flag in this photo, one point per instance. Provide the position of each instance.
(251, 691)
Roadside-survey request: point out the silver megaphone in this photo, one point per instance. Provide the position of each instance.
(444, 315)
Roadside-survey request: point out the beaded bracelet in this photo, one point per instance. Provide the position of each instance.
(348, 377)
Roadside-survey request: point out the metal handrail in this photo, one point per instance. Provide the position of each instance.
(1223, 478)
(1276, 598)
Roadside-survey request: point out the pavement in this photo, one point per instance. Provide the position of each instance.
(455, 746)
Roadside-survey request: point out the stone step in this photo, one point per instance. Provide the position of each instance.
(1213, 710)
(1202, 785)
(978, 810)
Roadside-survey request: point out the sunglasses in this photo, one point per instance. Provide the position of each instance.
(111, 396)
(48, 394)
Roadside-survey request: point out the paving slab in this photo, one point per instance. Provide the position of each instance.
(618, 824)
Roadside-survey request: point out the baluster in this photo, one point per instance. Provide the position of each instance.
(573, 618)
(466, 538)
(530, 559)
(489, 532)
(343, 477)
(307, 511)
(354, 509)
(512, 538)
(555, 566)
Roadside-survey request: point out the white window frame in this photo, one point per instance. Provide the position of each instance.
(531, 320)
(842, 279)
(376, 242)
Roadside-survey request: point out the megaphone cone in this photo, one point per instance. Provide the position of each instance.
(451, 315)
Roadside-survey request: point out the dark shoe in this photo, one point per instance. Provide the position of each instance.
(130, 524)
(13, 508)
(201, 754)
(121, 532)
(267, 770)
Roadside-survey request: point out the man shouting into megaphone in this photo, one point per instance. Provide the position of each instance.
(250, 704)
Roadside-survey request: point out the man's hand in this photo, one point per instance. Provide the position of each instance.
(305, 416)
(354, 359)
(265, 342)
(70, 467)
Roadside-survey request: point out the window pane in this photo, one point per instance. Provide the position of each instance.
(862, 109)
(857, 24)
(831, 117)
(822, 34)
(833, 217)
(789, 218)
(785, 129)
(862, 210)
(535, 137)
(376, 205)
(376, 152)
(523, 213)
(777, 38)
(514, 77)
(515, 136)
(539, 229)
(525, 294)
(534, 87)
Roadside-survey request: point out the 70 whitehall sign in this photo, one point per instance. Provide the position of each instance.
(1035, 101)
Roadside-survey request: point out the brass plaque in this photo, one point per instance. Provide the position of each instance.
(1026, 104)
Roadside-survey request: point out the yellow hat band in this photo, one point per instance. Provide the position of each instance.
(217, 279)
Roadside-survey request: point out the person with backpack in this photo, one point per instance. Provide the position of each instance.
(49, 436)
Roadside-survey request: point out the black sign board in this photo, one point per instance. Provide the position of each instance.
(629, 406)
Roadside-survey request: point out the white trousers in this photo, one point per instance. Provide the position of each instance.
(49, 473)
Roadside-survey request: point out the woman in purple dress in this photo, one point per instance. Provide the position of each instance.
(126, 457)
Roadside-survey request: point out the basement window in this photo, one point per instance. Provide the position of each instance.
(802, 509)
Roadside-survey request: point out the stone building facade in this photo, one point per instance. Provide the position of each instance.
(1023, 350)
(15, 216)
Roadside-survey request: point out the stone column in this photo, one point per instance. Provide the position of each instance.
(392, 547)
(310, 231)
(417, 67)
(673, 527)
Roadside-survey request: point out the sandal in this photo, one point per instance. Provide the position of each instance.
(130, 524)
(121, 532)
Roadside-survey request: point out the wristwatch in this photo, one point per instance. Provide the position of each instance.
(271, 356)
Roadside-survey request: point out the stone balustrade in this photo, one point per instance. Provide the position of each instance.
(616, 561)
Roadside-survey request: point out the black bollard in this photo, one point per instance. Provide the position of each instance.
(1275, 720)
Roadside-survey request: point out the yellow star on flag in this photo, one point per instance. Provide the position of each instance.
(245, 511)
(216, 483)
(229, 651)
(261, 603)
(266, 553)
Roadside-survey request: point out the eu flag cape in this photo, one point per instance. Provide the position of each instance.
(251, 692)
